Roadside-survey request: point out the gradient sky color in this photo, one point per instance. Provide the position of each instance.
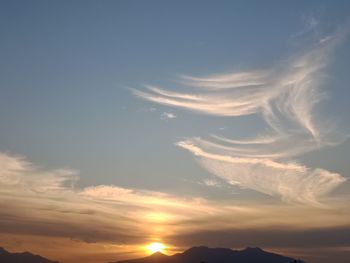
(113, 114)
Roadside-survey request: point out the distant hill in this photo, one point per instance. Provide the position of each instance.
(23, 257)
(216, 255)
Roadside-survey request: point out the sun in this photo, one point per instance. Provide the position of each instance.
(155, 247)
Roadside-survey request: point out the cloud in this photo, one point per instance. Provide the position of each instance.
(285, 96)
(46, 206)
(43, 202)
(211, 182)
(16, 172)
(302, 238)
(168, 115)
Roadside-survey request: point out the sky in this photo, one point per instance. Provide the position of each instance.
(218, 123)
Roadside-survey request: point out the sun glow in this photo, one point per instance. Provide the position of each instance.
(155, 247)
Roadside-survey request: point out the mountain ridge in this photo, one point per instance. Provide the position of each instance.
(199, 254)
(22, 257)
(203, 254)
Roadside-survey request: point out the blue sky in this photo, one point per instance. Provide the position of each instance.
(69, 71)
(67, 67)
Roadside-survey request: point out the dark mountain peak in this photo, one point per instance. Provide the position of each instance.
(196, 249)
(205, 249)
(27, 257)
(252, 249)
(158, 255)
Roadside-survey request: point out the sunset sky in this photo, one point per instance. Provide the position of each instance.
(183, 123)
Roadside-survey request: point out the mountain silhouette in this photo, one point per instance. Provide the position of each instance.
(216, 255)
(23, 257)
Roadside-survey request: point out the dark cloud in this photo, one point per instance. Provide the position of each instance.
(88, 232)
(278, 238)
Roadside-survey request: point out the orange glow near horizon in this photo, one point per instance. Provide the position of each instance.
(155, 247)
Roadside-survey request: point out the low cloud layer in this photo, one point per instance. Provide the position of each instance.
(285, 97)
(39, 205)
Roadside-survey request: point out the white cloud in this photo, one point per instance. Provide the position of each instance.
(16, 172)
(289, 180)
(285, 97)
(211, 182)
(168, 115)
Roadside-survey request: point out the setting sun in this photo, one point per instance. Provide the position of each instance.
(155, 247)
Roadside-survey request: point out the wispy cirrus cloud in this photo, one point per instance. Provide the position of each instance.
(285, 97)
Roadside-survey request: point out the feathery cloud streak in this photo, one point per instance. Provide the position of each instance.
(285, 97)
